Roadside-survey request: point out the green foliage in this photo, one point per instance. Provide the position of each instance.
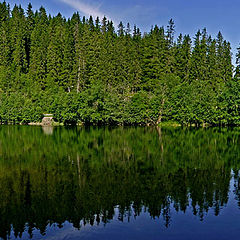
(82, 70)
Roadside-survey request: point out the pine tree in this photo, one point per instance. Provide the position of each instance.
(38, 51)
(128, 29)
(237, 70)
(80, 61)
(170, 32)
(227, 62)
(183, 57)
(104, 25)
(18, 40)
(4, 12)
(55, 52)
(68, 61)
(30, 24)
(212, 61)
(97, 24)
(120, 29)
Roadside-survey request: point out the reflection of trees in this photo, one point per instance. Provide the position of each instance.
(83, 174)
(236, 174)
(38, 197)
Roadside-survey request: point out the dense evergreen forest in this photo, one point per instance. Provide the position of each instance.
(86, 71)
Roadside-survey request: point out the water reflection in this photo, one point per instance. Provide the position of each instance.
(48, 130)
(94, 175)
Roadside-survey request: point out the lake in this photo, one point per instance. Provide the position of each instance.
(119, 183)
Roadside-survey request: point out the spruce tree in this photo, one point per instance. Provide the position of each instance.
(38, 51)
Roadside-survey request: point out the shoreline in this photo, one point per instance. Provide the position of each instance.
(54, 124)
(163, 124)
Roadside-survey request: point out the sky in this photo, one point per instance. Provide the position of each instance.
(188, 15)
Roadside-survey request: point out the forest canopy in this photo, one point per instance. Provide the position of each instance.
(83, 70)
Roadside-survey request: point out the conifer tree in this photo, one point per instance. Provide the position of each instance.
(18, 40)
(104, 25)
(38, 51)
(183, 57)
(237, 70)
(120, 29)
(30, 24)
(55, 52)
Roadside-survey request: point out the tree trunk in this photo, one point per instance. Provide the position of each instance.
(160, 113)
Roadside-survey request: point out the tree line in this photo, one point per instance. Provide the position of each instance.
(83, 70)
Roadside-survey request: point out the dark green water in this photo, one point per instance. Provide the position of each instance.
(119, 183)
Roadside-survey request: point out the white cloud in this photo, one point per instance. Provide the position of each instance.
(86, 8)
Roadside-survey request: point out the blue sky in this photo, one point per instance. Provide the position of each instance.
(189, 15)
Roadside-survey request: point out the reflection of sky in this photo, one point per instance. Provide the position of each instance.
(182, 226)
(189, 15)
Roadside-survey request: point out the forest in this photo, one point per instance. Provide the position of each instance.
(87, 71)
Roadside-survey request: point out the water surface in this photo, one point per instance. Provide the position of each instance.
(119, 183)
